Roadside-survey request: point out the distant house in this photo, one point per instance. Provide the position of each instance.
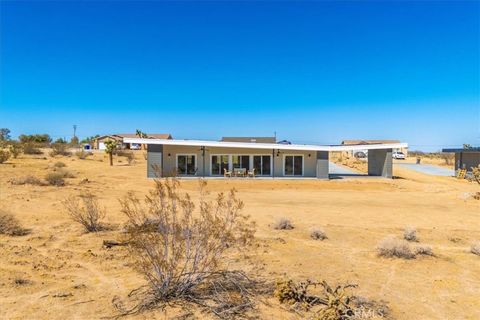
(368, 142)
(99, 143)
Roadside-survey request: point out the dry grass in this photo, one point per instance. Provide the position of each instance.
(86, 210)
(60, 149)
(55, 179)
(423, 249)
(31, 149)
(59, 164)
(283, 224)
(410, 234)
(393, 247)
(475, 248)
(318, 234)
(10, 226)
(27, 180)
(4, 155)
(181, 252)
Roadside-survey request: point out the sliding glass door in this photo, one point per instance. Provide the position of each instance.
(186, 164)
(262, 165)
(293, 165)
(219, 164)
(241, 162)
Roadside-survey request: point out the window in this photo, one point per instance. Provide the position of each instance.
(293, 165)
(186, 164)
(241, 162)
(262, 165)
(219, 164)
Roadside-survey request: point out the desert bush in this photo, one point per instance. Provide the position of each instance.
(283, 224)
(318, 234)
(180, 251)
(423, 249)
(4, 155)
(59, 164)
(65, 173)
(55, 179)
(27, 180)
(59, 149)
(476, 174)
(10, 226)
(328, 303)
(82, 154)
(87, 212)
(410, 234)
(15, 149)
(393, 247)
(475, 248)
(31, 148)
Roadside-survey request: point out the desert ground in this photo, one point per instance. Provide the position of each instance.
(66, 273)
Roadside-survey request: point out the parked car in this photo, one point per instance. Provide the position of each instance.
(360, 155)
(135, 146)
(398, 155)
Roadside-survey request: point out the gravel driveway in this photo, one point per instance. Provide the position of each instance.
(428, 169)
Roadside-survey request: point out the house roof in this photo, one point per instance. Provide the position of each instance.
(149, 135)
(355, 142)
(250, 139)
(269, 146)
(457, 150)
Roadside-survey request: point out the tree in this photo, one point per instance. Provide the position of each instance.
(110, 147)
(89, 140)
(74, 141)
(60, 140)
(141, 134)
(4, 134)
(36, 138)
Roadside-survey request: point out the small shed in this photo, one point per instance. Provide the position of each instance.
(465, 158)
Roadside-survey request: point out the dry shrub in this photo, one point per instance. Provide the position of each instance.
(393, 247)
(10, 226)
(27, 180)
(283, 224)
(60, 149)
(423, 249)
(87, 212)
(82, 154)
(326, 303)
(181, 251)
(31, 148)
(410, 234)
(59, 164)
(129, 155)
(4, 155)
(55, 179)
(15, 149)
(318, 234)
(475, 248)
(65, 173)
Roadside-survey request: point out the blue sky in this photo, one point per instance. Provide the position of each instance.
(314, 72)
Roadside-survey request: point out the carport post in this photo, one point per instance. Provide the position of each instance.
(380, 162)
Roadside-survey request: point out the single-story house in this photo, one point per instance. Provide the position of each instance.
(99, 143)
(166, 157)
(351, 153)
(465, 158)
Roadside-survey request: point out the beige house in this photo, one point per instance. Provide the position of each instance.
(200, 158)
(99, 143)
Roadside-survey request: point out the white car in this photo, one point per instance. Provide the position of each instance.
(398, 155)
(135, 146)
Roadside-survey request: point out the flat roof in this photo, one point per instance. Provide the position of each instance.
(270, 146)
(457, 150)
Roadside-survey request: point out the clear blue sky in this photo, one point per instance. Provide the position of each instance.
(315, 72)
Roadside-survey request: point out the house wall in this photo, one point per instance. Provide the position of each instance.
(170, 153)
(467, 159)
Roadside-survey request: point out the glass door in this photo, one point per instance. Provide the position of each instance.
(241, 162)
(262, 165)
(219, 164)
(186, 164)
(293, 165)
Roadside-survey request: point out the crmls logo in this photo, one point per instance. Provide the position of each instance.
(367, 313)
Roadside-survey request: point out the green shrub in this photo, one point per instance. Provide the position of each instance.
(59, 149)
(4, 155)
(31, 148)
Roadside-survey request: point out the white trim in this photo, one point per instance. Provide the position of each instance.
(303, 165)
(186, 154)
(277, 146)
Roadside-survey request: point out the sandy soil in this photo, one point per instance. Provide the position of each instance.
(71, 275)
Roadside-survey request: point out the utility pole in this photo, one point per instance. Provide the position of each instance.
(74, 130)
